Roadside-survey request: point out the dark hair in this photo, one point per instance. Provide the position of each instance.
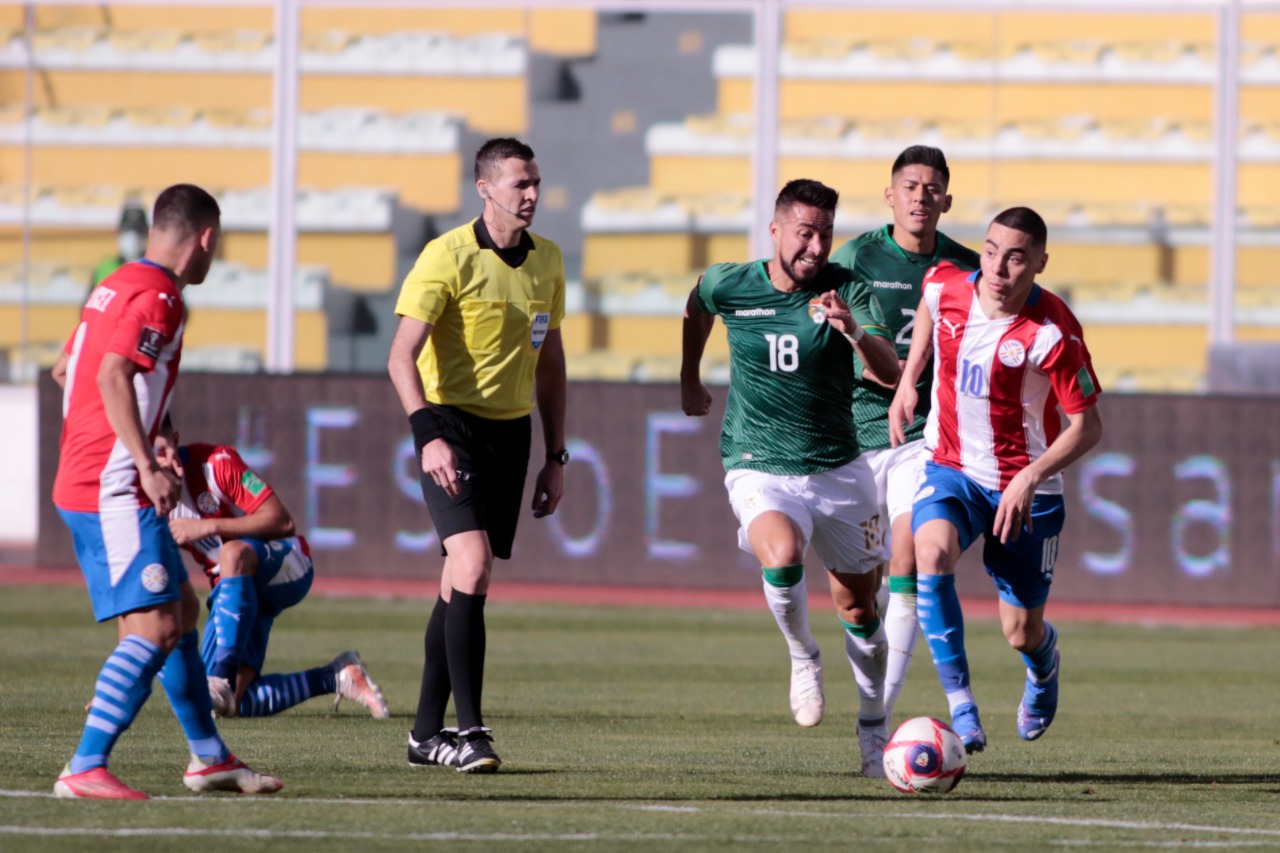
(807, 192)
(166, 425)
(185, 208)
(495, 151)
(923, 155)
(1027, 221)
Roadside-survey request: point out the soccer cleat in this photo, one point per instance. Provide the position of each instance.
(807, 699)
(95, 784)
(229, 775)
(871, 742)
(475, 752)
(354, 683)
(1039, 703)
(223, 696)
(441, 749)
(965, 722)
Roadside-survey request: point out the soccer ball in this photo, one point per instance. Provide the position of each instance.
(924, 756)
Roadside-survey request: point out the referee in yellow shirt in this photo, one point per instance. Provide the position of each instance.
(479, 336)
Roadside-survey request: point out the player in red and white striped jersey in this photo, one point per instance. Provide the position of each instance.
(1007, 356)
(117, 372)
(241, 534)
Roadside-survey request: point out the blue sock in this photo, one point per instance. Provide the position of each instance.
(1040, 659)
(943, 624)
(235, 610)
(271, 694)
(187, 686)
(123, 685)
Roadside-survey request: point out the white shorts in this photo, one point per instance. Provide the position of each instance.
(835, 510)
(899, 471)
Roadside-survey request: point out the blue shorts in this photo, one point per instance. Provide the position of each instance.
(128, 557)
(1022, 569)
(283, 579)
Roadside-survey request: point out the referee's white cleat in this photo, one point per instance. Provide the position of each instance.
(353, 682)
(807, 698)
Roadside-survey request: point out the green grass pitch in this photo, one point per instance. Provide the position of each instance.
(640, 729)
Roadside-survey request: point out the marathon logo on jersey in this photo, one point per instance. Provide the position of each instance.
(893, 285)
(817, 313)
(100, 298)
(150, 342)
(252, 483)
(538, 334)
(207, 503)
(754, 312)
(1012, 353)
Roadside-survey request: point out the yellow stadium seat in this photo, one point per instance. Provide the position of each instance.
(233, 41)
(145, 41)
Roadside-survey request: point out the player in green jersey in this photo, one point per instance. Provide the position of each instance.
(892, 261)
(790, 449)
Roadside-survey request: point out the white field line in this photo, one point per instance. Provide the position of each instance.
(1098, 823)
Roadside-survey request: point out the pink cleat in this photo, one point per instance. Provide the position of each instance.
(230, 775)
(95, 784)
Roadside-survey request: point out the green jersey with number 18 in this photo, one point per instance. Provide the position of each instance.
(893, 276)
(790, 372)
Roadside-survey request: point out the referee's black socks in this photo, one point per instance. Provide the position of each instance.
(464, 646)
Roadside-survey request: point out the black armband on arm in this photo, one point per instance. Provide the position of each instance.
(426, 428)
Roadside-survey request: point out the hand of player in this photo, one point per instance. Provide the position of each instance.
(1013, 514)
(187, 530)
(161, 486)
(837, 312)
(548, 489)
(902, 411)
(439, 463)
(695, 399)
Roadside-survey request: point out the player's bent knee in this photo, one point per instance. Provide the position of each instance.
(237, 559)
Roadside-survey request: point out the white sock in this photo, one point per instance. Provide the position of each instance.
(790, 607)
(902, 628)
(867, 656)
(958, 698)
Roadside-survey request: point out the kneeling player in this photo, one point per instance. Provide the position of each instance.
(243, 537)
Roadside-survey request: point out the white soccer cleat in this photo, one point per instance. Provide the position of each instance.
(223, 696)
(871, 743)
(354, 683)
(230, 775)
(807, 699)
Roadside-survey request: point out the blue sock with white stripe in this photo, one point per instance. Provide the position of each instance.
(271, 694)
(943, 623)
(123, 685)
(235, 610)
(187, 686)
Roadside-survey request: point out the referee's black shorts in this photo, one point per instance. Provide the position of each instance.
(493, 461)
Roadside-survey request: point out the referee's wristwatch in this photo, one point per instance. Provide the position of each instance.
(561, 456)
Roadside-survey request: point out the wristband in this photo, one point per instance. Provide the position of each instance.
(858, 334)
(426, 427)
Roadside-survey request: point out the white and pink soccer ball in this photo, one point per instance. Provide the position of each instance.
(924, 756)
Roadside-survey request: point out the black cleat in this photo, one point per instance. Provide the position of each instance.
(475, 752)
(440, 749)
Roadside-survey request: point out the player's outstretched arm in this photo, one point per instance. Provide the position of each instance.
(695, 399)
(877, 352)
(552, 388)
(120, 402)
(438, 461)
(902, 411)
(1083, 431)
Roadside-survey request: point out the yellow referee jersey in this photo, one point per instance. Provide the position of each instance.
(488, 320)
